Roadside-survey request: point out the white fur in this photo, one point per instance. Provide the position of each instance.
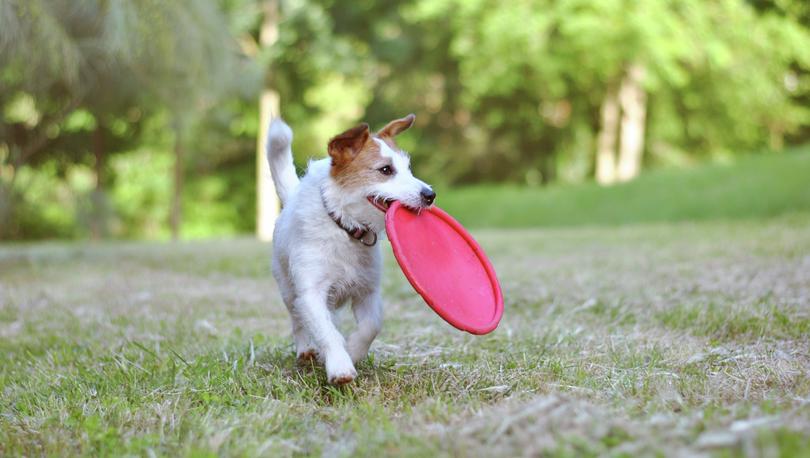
(279, 156)
(403, 186)
(318, 267)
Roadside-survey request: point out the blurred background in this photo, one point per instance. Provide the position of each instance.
(140, 119)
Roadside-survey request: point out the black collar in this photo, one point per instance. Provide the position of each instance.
(364, 235)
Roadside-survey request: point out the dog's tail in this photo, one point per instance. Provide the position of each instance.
(279, 156)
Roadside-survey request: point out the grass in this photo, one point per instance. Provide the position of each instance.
(753, 187)
(722, 322)
(685, 338)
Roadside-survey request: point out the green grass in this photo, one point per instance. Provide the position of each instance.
(641, 340)
(753, 187)
(721, 322)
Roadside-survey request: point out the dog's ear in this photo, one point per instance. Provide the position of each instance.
(344, 147)
(397, 126)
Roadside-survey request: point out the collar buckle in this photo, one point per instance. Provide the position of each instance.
(366, 240)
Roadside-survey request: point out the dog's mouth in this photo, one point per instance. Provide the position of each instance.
(381, 204)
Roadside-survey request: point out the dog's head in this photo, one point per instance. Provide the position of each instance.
(371, 167)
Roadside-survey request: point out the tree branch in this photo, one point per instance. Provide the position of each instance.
(41, 140)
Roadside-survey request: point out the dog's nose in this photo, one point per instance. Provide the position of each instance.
(428, 196)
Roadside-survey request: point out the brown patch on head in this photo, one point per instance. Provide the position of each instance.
(356, 158)
(344, 147)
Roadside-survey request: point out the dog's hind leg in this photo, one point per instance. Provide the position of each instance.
(311, 307)
(304, 346)
(368, 314)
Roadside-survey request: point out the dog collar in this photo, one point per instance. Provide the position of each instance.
(365, 236)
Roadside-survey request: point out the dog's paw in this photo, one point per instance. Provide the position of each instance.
(339, 369)
(307, 356)
(342, 380)
(357, 353)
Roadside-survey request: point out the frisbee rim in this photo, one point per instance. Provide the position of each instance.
(406, 268)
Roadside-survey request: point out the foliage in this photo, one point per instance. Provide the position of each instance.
(541, 100)
(82, 79)
(502, 94)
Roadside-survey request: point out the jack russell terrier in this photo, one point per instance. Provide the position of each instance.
(325, 250)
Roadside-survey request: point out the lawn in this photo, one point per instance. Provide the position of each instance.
(749, 187)
(657, 338)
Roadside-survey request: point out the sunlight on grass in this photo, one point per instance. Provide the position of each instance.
(754, 187)
(723, 323)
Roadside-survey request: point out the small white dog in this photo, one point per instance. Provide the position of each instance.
(325, 250)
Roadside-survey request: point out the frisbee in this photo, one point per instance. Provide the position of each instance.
(446, 266)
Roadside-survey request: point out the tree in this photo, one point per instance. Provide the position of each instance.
(535, 74)
(54, 56)
(267, 204)
(310, 65)
(110, 58)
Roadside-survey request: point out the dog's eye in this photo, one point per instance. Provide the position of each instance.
(386, 170)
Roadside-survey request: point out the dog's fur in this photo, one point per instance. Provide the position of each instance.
(317, 264)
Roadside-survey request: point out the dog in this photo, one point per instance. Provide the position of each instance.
(325, 250)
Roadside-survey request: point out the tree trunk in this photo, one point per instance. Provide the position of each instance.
(548, 169)
(606, 140)
(633, 100)
(776, 139)
(176, 216)
(267, 205)
(6, 210)
(97, 212)
(7, 223)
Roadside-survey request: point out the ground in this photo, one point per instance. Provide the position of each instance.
(670, 338)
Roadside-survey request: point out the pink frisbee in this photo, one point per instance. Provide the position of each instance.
(446, 266)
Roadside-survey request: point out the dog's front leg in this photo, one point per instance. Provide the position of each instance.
(314, 313)
(367, 311)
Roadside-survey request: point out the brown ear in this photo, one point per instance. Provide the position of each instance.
(397, 126)
(344, 147)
